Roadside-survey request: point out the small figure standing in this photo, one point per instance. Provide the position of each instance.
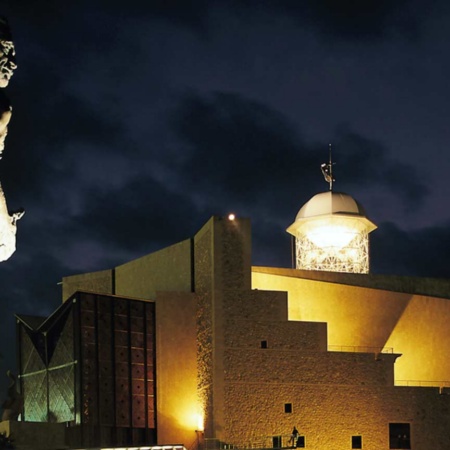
(294, 437)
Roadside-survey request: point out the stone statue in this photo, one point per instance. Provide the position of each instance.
(8, 223)
(12, 406)
(7, 67)
(8, 228)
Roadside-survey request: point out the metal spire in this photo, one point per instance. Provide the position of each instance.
(327, 170)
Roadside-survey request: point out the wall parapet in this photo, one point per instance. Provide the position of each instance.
(360, 349)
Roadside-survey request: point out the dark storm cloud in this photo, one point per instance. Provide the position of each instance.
(421, 252)
(238, 149)
(191, 14)
(136, 217)
(364, 162)
(346, 19)
(242, 151)
(50, 129)
(40, 158)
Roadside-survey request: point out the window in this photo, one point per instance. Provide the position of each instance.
(399, 436)
(356, 441)
(263, 344)
(276, 441)
(288, 408)
(301, 442)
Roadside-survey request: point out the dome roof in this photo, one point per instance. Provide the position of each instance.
(330, 203)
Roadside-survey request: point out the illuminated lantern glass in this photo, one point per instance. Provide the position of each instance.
(332, 234)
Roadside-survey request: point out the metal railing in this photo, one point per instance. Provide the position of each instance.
(423, 383)
(281, 441)
(360, 349)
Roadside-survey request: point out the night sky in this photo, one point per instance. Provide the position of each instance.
(134, 122)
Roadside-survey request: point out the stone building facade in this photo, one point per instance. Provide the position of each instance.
(242, 354)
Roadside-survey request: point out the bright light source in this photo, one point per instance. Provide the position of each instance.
(334, 243)
(331, 236)
(231, 216)
(200, 423)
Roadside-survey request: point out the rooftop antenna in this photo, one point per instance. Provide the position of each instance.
(327, 170)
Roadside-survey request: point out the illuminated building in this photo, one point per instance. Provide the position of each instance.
(206, 351)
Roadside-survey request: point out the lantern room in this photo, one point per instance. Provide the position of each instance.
(332, 234)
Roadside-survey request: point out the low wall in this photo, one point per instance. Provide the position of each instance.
(35, 435)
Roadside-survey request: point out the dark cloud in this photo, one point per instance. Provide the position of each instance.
(346, 19)
(246, 153)
(141, 216)
(35, 174)
(50, 129)
(365, 163)
(85, 16)
(271, 244)
(239, 150)
(421, 252)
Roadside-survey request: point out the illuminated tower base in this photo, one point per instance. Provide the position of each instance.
(332, 234)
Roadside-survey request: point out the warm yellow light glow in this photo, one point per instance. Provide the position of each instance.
(191, 417)
(231, 216)
(154, 447)
(331, 236)
(200, 422)
(333, 243)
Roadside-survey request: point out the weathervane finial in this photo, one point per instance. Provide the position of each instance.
(327, 170)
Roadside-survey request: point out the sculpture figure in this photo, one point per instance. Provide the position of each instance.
(8, 228)
(7, 67)
(8, 223)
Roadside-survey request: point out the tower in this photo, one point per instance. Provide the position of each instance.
(332, 231)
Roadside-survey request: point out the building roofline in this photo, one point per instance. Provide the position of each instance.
(434, 287)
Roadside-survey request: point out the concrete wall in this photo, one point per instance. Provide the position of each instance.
(329, 415)
(165, 270)
(100, 282)
(249, 334)
(302, 367)
(222, 250)
(35, 435)
(434, 287)
(256, 305)
(334, 395)
(178, 405)
(414, 325)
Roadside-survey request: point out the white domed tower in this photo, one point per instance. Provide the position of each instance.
(332, 232)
